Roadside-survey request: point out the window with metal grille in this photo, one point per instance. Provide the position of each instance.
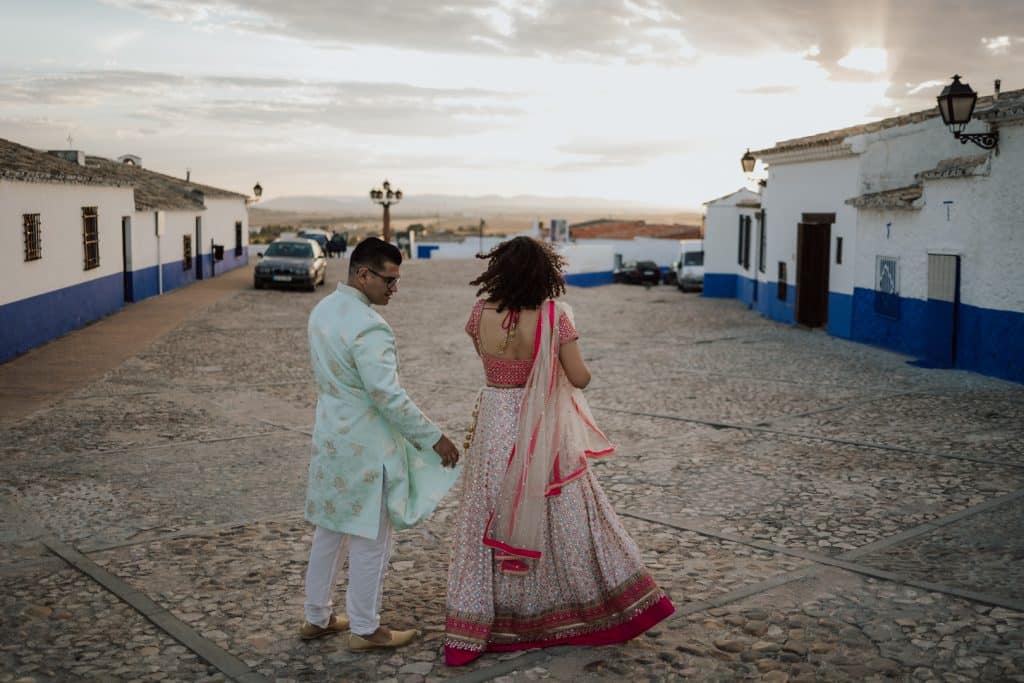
(91, 237)
(762, 242)
(33, 240)
(186, 252)
(238, 238)
(839, 251)
(782, 290)
(887, 286)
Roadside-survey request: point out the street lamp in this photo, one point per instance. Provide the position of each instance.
(385, 196)
(257, 192)
(747, 162)
(956, 105)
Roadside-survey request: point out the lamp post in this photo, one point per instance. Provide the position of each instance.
(385, 196)
(956, 105)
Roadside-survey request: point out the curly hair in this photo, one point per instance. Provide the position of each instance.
(521, 273)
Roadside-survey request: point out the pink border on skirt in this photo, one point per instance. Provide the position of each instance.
(617, 634)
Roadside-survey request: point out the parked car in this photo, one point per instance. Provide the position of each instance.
(321, 237)
(691, 269)
(638, 273)
(338, 244)
(295, 262)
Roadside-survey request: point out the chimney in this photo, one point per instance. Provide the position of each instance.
(188, 174)
(999, 83)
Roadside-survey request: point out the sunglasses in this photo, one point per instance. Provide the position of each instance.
(389, 282)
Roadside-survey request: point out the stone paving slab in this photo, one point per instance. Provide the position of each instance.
(105, 422)
(983, 553)
(983, 424)
(112, 498)
(828, 627)
(244, 590)
(61, 626)
(795, 492)
(722, 399)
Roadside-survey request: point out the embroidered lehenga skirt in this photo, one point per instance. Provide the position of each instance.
(589, 586)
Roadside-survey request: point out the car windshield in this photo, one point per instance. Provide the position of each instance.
(649, 265)
(290, 250)
(693, 258)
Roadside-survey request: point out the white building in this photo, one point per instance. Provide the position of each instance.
(79, 239)
(894, 233)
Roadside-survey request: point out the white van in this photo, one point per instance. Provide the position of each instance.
(690, 266)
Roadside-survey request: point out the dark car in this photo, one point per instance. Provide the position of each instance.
(639, 273)
(297, 262)
(338, 244)
(318, 236)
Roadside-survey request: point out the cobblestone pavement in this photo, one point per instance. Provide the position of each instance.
(818, 510)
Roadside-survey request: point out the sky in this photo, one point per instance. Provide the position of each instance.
(620, 99)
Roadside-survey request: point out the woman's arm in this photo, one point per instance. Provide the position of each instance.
(572, 362)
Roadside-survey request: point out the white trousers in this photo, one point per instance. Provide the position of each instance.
(367, 564)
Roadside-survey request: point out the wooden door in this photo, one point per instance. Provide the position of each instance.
(943, 308)
(812, 267)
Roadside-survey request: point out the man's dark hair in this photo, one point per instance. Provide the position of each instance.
(521, 273)
(373, 253)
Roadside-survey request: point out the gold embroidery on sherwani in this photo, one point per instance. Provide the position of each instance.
(357, 508)
(311, 508)
(340, 484)
(329, 507)
(358, 449)
(370, 477)
(378, 396)
(330, 447)
(334, 366)
(319, 474)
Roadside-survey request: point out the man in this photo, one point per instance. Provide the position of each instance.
(372, 467)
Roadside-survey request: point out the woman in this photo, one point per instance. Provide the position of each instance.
(539, 557)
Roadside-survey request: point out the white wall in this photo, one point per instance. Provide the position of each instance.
(984, 227)
(584, 257)
(810, 187)
(219, 222)
(59, 207)
(661, 251)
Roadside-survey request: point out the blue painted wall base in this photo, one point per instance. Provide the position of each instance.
(589, 279)
(30, 322)
(36, 320)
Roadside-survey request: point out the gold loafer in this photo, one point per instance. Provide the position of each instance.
(358, 643)
(335, 625)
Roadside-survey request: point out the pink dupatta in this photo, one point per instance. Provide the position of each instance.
(555, 435)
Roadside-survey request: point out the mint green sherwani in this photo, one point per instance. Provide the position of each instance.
(367, 428)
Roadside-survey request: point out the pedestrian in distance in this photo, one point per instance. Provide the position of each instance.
(378, 463)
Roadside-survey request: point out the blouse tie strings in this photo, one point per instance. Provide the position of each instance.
(510, 323)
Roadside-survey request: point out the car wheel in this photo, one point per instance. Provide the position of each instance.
(257, 284)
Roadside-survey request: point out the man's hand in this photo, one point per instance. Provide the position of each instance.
(447, 450)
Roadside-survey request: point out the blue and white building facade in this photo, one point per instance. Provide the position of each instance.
(80, 237)
(891, 233)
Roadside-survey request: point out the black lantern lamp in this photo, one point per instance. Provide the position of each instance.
(747, 161)
(257, 190)
(956, 105)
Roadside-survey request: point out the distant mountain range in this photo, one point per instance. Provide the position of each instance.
(427, 204)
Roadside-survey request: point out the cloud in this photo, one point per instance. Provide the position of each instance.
(591, 154)
(395, 109)
(769, 90)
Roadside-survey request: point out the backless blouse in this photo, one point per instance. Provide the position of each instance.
(510, 372)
